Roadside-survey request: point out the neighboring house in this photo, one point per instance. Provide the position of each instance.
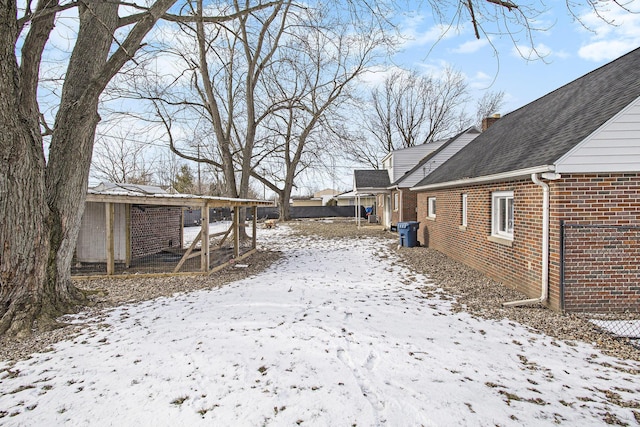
(403, 201)
(305, 201)
(320, 198)
(547, 200)
(404, 168)
(349, 199)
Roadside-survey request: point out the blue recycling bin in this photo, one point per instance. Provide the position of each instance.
(408, 232)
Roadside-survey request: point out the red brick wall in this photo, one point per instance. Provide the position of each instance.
(608, 199)
(601, 262)
(516, 266)
(601, 268)
(408, 201)
(154, 228)
(409, 204)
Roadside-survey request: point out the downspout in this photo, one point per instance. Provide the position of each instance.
(544, 295)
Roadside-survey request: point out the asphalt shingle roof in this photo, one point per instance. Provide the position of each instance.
(374, 178)
(541, 132)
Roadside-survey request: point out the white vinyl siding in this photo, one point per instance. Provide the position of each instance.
(502, 213)
(611, 148)
(438, 159)
(401, 161)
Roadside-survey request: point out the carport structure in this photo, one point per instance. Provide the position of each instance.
(129, 232)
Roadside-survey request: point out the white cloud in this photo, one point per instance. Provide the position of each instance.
(605, 50)
(376, 75)
(481, 81)
(608, 41)
(414, 33)
(471, 46)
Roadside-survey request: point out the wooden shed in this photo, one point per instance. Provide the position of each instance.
(126, 231)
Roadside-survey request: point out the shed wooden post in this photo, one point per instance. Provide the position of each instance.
(254, 212)
(109, 214)
(236, 232)
(204, 239)
(127, 220)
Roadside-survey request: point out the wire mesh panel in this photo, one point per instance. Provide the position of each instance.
(601, 275)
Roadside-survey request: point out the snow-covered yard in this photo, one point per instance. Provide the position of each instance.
(335, 334)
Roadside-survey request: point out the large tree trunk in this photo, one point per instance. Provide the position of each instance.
(42, 204)
(24, 239)
(284, 207)
(76, 121)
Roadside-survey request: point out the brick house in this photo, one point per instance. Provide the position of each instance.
(547, 200)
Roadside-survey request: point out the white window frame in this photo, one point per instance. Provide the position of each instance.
(396, 201)
(502, 214)
(463, 220)
(431, 207)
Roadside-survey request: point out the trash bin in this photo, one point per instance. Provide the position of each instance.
(408, 232)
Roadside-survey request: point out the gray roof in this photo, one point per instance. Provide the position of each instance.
(541, 132)
(374, 178)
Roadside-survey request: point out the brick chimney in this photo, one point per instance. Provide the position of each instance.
(488, 121)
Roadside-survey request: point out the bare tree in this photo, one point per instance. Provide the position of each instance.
(489, 104)
(310, 80)
(265, 84)
(410, 109)
(121, 158)
(42, 197)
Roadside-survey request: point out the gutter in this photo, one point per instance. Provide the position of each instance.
(544, 295)
(487, 178)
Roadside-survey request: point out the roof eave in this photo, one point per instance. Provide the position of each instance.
(487, 178)
(371, 190)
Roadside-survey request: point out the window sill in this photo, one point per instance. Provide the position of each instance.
(462, 227)
(500, 240)
(430, 218)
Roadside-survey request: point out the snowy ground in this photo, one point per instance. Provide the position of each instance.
(335, 334)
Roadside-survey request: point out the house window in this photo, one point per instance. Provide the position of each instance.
(502, 214)
(431, 207)
(464, 210)
(396, 201)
